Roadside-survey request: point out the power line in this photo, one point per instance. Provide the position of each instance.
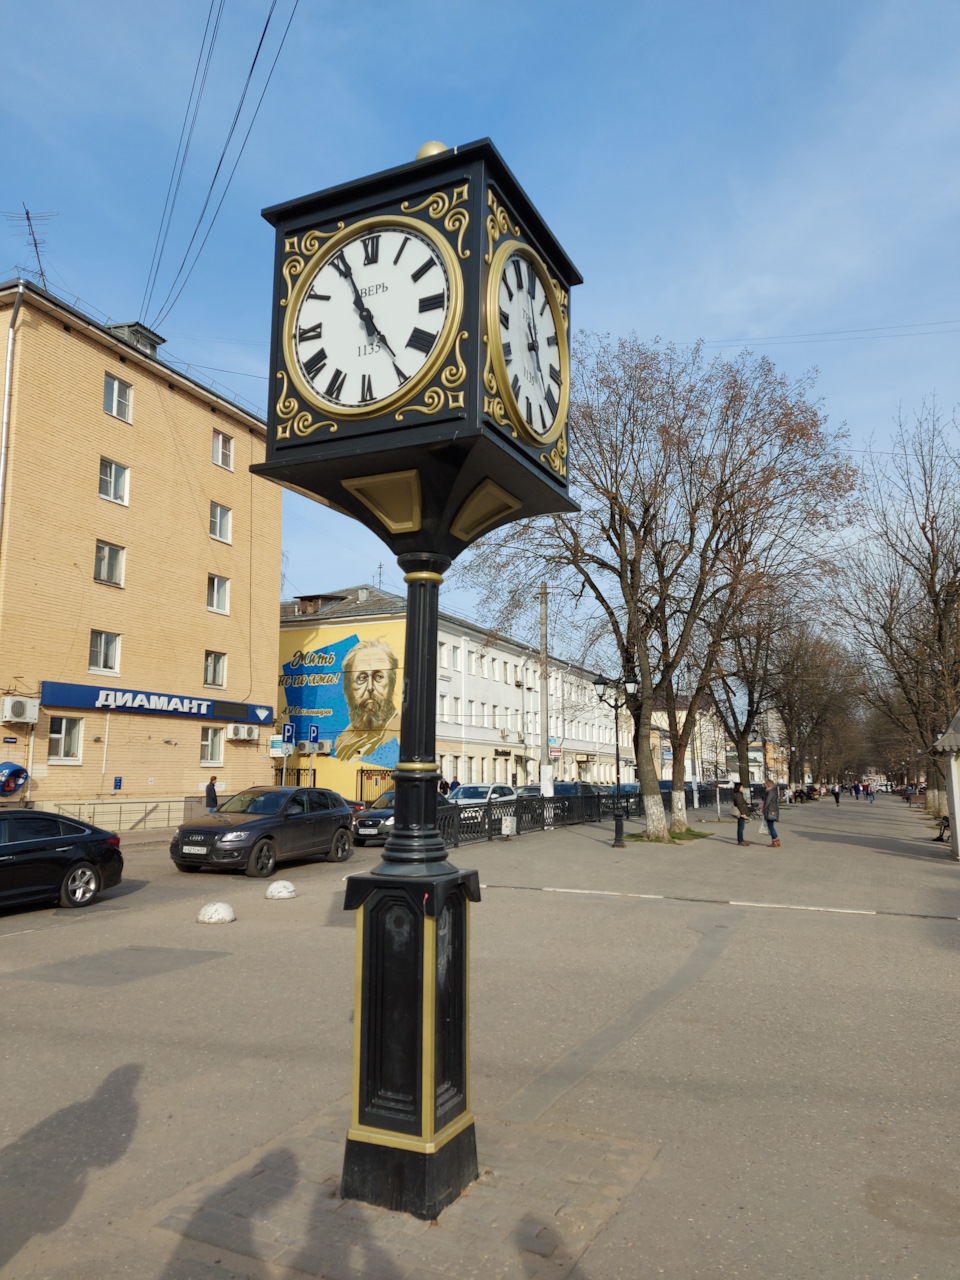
(170, 303)
(928, 328)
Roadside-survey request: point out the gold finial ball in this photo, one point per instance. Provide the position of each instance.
(431, 149)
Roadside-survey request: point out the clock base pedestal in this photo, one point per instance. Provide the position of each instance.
(415, 1182)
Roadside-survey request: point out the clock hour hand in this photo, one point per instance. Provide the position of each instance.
(534, 346)
(345, 269)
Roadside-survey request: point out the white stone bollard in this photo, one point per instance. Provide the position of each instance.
(281, 889)
(216, 913)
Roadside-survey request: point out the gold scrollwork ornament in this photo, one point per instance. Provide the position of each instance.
(498, 224)
(440, 207)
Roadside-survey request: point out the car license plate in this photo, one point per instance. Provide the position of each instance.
(193, 848)
(368, 831)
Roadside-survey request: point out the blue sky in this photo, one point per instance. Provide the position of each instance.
(780, 177)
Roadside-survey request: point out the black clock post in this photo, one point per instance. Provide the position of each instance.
(402, 398)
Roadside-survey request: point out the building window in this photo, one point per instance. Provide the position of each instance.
(117, 398)
(471, 712)
(442, 653)
(65, 740)
(455, 657)
(471, 662)
(223, 450)
(483, 665)
(218, 593)
(493, 668)
(221, 522)
(495, 717)
(456, 710)
(113, 481)
(108, 565)
(443, 706)
(215, 668)
(211, 745)
(104, 651)
(506, 671)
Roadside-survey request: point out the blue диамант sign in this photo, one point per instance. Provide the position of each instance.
(117, 783)
(93, 697)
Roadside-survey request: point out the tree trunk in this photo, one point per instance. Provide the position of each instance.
(678, 804)
(655, 818)
(743, 759)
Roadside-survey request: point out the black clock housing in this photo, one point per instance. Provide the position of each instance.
(438, 470)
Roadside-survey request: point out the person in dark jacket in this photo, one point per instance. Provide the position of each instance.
(771, 810)
(742, 806)
(211, 795)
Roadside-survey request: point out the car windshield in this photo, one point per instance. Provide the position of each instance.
(471, 793)
(383, 802)
(254, 802)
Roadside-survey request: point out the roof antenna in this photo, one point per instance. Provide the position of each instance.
(30, 218)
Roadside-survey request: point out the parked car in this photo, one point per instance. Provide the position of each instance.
(575, 789)
(481, 792)
(259, 827)
(46, 858)
(529, 789)
(375, 822)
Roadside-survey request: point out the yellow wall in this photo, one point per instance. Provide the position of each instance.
(49, 601)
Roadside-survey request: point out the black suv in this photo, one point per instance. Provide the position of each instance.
(257, 828)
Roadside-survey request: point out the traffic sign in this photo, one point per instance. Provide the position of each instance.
(313, 733)
(287, 732)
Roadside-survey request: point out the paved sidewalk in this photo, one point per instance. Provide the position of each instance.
(679, 1069)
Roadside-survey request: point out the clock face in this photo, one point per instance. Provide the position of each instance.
(530, 344)
(370, 320)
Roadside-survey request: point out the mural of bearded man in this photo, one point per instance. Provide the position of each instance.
(369, 682)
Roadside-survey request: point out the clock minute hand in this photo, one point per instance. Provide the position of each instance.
(534, 346)
(362, 309)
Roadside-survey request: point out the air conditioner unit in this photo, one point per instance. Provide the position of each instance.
(518, 683)
(304, 748)
(235, 731)
(504, 734)
(251, 732)
(325, 746)
(17, 710)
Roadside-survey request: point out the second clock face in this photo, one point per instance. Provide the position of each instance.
(370, 321)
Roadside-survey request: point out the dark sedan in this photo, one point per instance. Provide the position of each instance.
(257, 828)
(374, 824)
(44, 857)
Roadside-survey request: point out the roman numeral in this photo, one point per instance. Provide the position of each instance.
(403, 244)
(371, 250)
(529, 413)
(515, 386)
(506, 285)
(504, 319)
(544, 307)
(340, 264)
(401, 376)
(335, 385)
(366, 387)
(318, 297)
(422, 271)
(312, 331)
(518, 272)
(543, 421)
(420, 340)
(433, 302)
(531, 281)
(551, 340)
(551, 400)
(507, 352)
(316, 362)
(555, 375)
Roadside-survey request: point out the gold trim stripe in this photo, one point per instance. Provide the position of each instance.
(418, 766)
(357, 1016)
(423, 575)
(429, 1039)
(383, 1138)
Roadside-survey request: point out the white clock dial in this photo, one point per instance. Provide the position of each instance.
(530, 343)
(369, 319)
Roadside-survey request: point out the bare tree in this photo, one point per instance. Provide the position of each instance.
(902, 593)
(698, 480)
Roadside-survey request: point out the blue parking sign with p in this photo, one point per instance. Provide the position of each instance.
(313, 733)
(288, 732)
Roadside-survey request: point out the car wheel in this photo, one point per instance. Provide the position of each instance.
(342, 847)
(80, 885)
(262, 861)
(187, 866)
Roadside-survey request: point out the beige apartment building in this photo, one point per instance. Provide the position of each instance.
(139, 572)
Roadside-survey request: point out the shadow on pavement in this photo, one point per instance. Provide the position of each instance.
(43, 1173)
(905, 847)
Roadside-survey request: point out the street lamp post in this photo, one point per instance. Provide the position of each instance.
(601, 684)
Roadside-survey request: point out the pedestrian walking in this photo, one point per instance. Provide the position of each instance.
(771, 810)
(871, 793)
(835, 790)
(443, 787)
(856, 791)
(742, 811)
(211, 795)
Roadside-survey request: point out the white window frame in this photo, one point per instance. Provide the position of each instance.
(471, 712)
(471, 662)
(59, 758)
(121, 563)
(221, 522)
(116, 468)
(442, 654)
(91, 666)
(212, 591)
(222, 449)
(113, 401)
(455, 657)
(443, 706)
(215, 684)
(456, 710)
(211, 743)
